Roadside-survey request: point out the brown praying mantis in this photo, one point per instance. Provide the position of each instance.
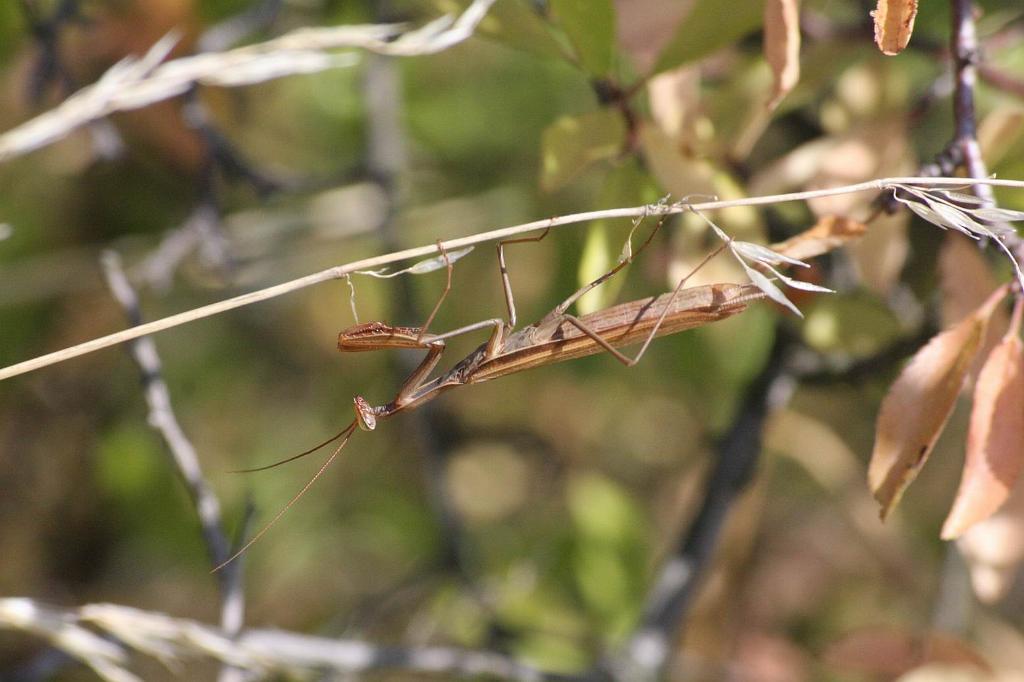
(557, 336)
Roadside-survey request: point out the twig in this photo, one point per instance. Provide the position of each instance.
(135, 83)
(454, 244)
(259, 651)
(183, 453)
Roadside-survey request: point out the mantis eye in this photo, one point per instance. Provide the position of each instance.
(364, 414)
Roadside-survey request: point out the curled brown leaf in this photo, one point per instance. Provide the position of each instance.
(995, 437)
(894, 22)
(919, 403)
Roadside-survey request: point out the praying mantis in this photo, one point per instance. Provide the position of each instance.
(557, 336)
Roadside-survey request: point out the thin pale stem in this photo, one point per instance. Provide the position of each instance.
(378, 261)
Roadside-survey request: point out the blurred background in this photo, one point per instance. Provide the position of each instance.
(532, 514)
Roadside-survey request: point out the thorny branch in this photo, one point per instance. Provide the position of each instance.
(337, 272)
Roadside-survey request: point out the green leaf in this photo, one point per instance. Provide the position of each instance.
(590, 26)
(710, 25)
(572, 143)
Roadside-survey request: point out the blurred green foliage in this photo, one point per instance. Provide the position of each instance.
(602, 467)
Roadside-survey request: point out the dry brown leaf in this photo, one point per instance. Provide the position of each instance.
(782, 46)
(830, 232)
(919, 403)
(890, 652)
(995, 437)
(894, 22)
